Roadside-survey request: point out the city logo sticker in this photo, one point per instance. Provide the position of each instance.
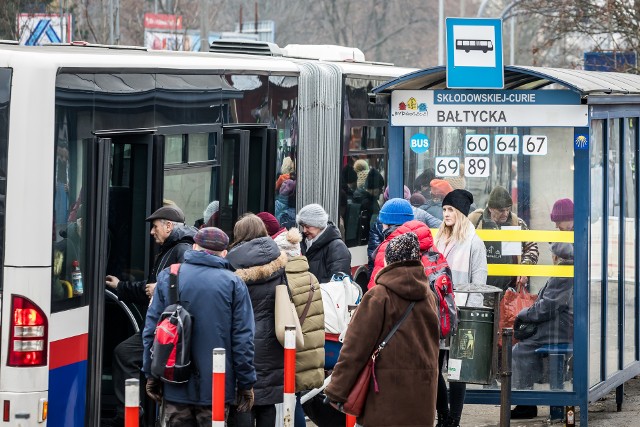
(412, 107)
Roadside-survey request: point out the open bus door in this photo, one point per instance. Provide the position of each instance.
(247, 172)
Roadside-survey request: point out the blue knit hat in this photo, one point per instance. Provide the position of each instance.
(395, 212)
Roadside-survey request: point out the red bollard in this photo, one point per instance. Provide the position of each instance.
(289, 406)
(131, 402)
(217, 388)
(351, 420)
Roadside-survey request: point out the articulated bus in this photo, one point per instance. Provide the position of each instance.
(94, 138)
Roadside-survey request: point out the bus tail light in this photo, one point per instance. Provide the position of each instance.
(29, 334)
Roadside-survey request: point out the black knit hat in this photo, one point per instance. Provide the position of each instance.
(374, 180)
(459, 199)
(404, 247)
(500, 198)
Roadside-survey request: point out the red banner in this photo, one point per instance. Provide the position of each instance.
(162, 21)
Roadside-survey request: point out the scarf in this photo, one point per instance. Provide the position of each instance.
(458, 255)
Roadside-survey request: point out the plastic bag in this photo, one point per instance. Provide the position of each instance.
(512, 303)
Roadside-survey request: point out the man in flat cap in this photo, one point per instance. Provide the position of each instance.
(168, 231)
(219, 302)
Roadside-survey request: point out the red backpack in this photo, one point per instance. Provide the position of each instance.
(439, 274)
(171, 348)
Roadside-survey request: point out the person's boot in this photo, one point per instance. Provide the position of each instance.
(442, 419)
(453, 422)
(524, 412)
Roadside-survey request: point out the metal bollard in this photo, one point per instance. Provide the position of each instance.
(505, 375)
(289, 404)
(131, 402)
(351, 420)
(217, 388)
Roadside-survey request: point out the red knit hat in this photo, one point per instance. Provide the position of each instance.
(440, 188)
(271, 223)
(562, 210)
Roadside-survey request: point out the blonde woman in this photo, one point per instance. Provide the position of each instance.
(467, 257)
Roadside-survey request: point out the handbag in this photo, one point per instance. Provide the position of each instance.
(358, 394)
(511, 304)
(523, 330)
(286, 315)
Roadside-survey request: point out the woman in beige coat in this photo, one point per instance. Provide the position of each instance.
(308, 301)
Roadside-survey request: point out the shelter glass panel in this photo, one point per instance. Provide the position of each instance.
(521, 179)
(630, 249)
(596, 156)
(613, 244)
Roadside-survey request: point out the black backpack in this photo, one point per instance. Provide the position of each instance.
(171, 348)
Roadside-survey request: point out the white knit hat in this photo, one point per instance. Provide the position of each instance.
(210, 210)
(313, 215)
(289, 242)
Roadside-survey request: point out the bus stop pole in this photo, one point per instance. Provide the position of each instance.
(289, 406)
(218, 388)
(505, 375)
(131, 402)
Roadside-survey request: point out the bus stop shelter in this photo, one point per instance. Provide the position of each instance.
(549, 134)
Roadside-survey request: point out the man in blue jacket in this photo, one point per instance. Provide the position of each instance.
(222, 314)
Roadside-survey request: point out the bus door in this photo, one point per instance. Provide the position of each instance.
(247, 172)
(125, 194)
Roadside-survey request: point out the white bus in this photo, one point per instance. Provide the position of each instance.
(93, 138)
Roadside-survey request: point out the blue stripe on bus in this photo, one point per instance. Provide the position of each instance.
(67, 395)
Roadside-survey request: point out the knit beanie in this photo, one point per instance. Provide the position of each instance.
(405, 247)
(440, 188)
(458, 182)
(271, 223)
(417, 200)
(395, 212)
(562, 250)
(289, 242)
(499, 198)
(212, 208)
(361, 168)
(288, 167)
(374, 180)
(459, 199)
(562, 210)
(313, 215)
(407, 193)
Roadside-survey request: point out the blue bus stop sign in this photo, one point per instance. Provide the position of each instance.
(474, 53)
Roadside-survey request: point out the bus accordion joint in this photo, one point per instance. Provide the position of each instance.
(28, 330)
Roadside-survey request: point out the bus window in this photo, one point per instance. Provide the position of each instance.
(5, 93)
(190, 176)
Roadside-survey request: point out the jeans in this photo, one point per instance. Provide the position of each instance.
(299, 420)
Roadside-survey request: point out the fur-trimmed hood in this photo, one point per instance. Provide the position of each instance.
(257, 260)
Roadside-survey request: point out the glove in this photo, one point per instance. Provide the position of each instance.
(244, 400)
(154, 389)
(336, 405)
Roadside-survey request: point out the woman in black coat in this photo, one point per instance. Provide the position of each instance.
(259, 262)
(323, 246)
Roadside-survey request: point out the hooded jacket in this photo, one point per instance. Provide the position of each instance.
(222, 317)
(418, 227)
(309, 360)
(328, 255)
(171, 251)
(407, 369)
(260, 264)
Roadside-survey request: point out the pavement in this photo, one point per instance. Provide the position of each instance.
(601, 413)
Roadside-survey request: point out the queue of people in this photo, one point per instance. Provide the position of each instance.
(232, 285)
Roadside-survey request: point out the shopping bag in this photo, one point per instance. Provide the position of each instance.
(512, 303)
(285, 314)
